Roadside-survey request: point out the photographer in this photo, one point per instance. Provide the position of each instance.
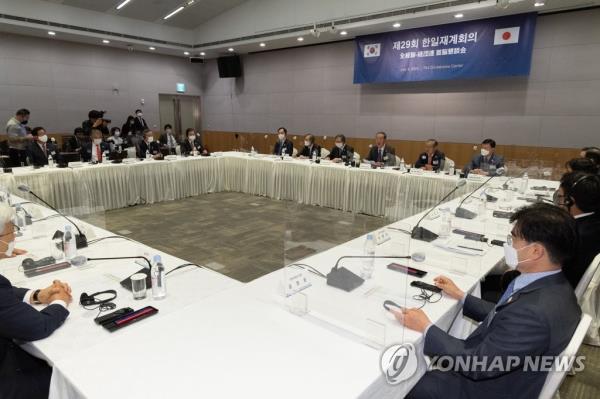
(94, 121)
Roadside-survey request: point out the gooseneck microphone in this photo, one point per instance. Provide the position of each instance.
(80, 239)
(344, 279)
(81, 260)
(467, 214)
(421, 233)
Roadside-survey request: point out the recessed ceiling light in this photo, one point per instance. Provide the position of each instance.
(152, 48)
(230, 49)
(397, 25)
(202, 53)
(51, 33)
(190, 2)
(105, 41)
(300, 39)
(186, 53)
(173, 12)
(343, 33)
(459, 15)
(262, 45)
(123, 4)
(539, 4)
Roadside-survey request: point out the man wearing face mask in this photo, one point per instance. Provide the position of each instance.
(536, 316)
(192, 144)
(342, 151)
(579, 194)
(487, 161)
(283, 145)
(41, 147)
(18, 138)
(310, 148)
(116, 141)
(22, 375)
(168, 139)
(149, 147)
(139, 123)
(94, 150)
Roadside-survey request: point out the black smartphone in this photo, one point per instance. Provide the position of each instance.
(107, 318)
(406, 269)
(425, 286)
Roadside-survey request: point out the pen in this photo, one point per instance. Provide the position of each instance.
(474, 249)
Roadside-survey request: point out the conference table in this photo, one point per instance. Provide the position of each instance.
(216, 337)
(97, 188)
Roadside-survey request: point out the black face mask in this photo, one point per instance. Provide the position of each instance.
(26, 121)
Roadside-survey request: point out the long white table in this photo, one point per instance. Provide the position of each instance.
(215, 337)
(97, 188)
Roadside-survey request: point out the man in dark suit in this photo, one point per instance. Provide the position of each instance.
(168, 139)
(22, 375)
(283, 145)
(579, 194)
(139, 123)
(536, 316)
(381, 154)
(192, 144)
(40, 148)
(309, 148)
(432, 158)
(94, 150)
(149, 146)
(342, 151)
(487, 162)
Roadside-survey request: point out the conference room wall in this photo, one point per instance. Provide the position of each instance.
(310, 89)
(60, 81)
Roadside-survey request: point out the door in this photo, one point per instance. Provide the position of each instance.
(179, 111)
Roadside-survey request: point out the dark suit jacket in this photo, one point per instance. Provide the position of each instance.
(20, 321)
(289, 147)
(37, 155)
(437, 160)
(389, 155)
(346, 151)
(139, 125)
(539, 320)
(153, 148)
(187, 148)
(307, 151)
(163, 139)
(588, 230)
(86, 150)
(478, 161)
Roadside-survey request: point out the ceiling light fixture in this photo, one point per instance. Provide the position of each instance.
(458, 16)
(397, 25)
(300, 39)
(106, 41)
(174, 12)
(262, 45)
(152, 48)
(539, 4)
(202, 53)
(230, 49)
(123, 4)
(343, 33)
(186, 53)
(51, 33)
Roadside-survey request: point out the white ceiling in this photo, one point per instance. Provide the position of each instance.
(154, 10)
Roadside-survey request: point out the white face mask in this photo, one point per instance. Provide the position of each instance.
(139, 114)
(281, 136)
(511, 256)
(306, 143)
(117, 133)
(150, 139)
(43, 138)
(484, 152)
(10, 247)
(339, 145)
(168, 131)
(97, 141)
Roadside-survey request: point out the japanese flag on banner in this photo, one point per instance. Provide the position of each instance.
(372, 50)
(506, 36)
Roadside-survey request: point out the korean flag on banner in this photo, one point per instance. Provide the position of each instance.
(372, 50)
(506, 36)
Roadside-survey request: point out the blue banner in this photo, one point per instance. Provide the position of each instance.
(473, 49)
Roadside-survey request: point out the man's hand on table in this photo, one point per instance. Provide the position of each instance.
(58, 290)
(415, 319)
(448, 287)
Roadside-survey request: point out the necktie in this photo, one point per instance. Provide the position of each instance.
(380, 155)
(509, 291)
(98, 153)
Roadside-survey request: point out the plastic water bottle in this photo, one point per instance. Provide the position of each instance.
(368, 263)
(148, 156)
(482, 206)
(69, 244)
(402, 165)
(524, 183)
(314, 156)
(50, 161)
(446, 226)
(252, 152)
(21, 217)
(105, 157)
(159, 289)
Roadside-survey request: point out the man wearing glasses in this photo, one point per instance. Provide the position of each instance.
(22, 375)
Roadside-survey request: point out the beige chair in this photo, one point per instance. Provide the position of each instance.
(324, 153)
(294, 152)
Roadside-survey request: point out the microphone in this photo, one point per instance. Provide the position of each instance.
(81, 260)
(467, 214)
(80, 239)
(344, 279)
(421, 233)
(505, 185)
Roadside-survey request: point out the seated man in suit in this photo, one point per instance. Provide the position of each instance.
(579, 194)
(432, 158)
(283, 145)
(40, 148)
(487, 162)
(342, 151)
(192, 145)
(22, 375)
(310, 148)
(93, 151)
(168, 139)
(381, 154)
(536, 316)
(148, 148)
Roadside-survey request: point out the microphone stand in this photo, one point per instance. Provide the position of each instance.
(465, 213)
(344, 279)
